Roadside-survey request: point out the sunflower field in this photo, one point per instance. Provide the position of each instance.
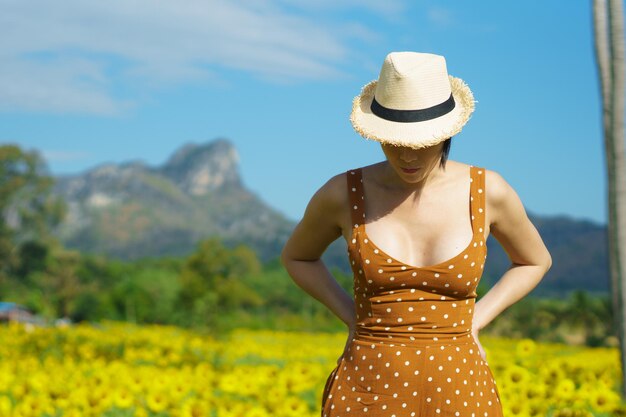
(115, 369)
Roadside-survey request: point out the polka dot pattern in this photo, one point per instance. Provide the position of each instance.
(413, 353)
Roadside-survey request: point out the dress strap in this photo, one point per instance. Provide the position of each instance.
(355, 192)
(477, 198)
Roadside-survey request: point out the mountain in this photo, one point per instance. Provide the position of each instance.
(579, 256)
(132, 210)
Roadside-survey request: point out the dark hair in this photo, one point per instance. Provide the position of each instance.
(445, 151)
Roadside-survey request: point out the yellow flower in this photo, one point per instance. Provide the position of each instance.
(537, 408)
(604, 400)
(572, 412)
(194, 408)
(536, 391)
(156, 401)
(257, 411)
(515, 408)
(33, 405)
(256, 373)
(19, 390)
(178, 389)
(161, 382)
(123, 398)
(525, 348)
(551, 373)
(274, 397)
(607, 378)
(136, 383)
(229, 383)
(231, 409)
(141, 412)
(516, 375)
(5, 406)
(73, 412)
(293, 407)
(565, 389)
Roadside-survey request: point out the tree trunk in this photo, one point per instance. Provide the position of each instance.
(609, 48)
(616, 28)
(600, 20)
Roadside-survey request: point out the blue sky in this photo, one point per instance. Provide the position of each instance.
(88, 82)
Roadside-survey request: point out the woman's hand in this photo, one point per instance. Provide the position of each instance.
(483, 354)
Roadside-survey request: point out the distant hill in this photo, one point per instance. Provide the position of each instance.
(131, 210)
(579, 256)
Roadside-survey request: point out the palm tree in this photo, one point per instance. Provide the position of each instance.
(609, 48)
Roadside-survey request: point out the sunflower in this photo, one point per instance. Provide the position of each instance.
(525, 348)
(604, 400)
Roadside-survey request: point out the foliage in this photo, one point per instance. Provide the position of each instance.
(211, 281)
(28, 211)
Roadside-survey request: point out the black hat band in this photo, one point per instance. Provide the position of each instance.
(410, 116)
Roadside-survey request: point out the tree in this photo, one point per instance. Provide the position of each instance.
(28, 210)
(211, 280)
(59, 281)
(609, 48)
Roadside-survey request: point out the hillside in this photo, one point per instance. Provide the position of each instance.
(132, 210)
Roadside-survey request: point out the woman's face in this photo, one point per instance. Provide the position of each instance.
(412, 165)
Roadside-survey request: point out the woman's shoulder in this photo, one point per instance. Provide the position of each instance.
(501, 197)
(496, 187)
(494, 182)
(499, 194)
(333, 193)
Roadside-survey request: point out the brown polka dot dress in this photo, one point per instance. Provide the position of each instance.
(413, 354)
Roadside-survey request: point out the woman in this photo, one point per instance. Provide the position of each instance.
(413, 347)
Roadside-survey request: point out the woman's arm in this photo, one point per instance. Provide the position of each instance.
(319, 227)
(530, 259)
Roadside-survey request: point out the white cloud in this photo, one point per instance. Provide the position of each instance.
(70, 56)
(388, 9)
(71, 84)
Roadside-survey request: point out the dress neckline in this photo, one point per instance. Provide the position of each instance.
(381, 252)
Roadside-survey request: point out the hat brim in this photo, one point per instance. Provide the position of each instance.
(416, 134)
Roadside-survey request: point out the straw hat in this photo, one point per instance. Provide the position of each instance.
(413, 103)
